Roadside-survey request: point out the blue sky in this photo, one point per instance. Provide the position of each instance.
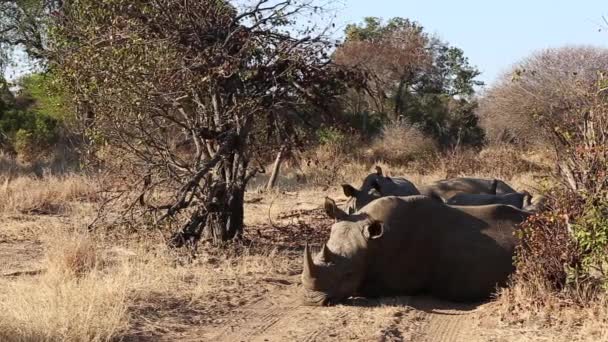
(495, 34)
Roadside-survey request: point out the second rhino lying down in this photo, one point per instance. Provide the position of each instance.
(375, 186)
(409, 245)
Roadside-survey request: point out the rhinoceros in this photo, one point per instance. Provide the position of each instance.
(516, 199)
(410, 245)
(448, 188)
(375, 186)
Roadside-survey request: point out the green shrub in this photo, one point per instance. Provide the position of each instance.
(46, 96)
(590, 231)
(331, 136)
(565, 249)
(30, 133)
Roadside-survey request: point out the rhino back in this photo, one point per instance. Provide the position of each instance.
(451, 252)
(397, 187)
(514, 199)
(473, 260)
(448, 188)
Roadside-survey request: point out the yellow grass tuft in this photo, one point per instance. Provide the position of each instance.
(72, 255)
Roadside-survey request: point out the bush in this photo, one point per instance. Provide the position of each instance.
(565, 250)
(402, 143)
(331, 136)
(30, 121)
(548, 252)
(30, 133)
(45, 96)
(546, 84)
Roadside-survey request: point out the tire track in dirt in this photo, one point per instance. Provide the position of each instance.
(282, 318)
(447, 322)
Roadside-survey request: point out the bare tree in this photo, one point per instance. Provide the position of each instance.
(189, 93)
(543, 86)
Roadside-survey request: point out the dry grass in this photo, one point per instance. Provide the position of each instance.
(94, 288)
(73, 300)
(402, 143)
(49, 195)
(530, 311)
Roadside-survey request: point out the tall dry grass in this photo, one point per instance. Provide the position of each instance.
(73, 300)
(48, 195)
(96, 288)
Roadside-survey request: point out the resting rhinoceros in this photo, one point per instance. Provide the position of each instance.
(375, 186)
(448, 188)
(409, 245)
(516, 199)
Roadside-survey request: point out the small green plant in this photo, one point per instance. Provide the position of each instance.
(331, 136)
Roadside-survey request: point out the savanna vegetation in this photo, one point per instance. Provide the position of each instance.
(135, 164)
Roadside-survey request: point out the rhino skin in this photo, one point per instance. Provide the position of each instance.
(448, 188)
(374, 186)
(516, 199)
(411, 245)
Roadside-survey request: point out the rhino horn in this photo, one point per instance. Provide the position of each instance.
(309, 265)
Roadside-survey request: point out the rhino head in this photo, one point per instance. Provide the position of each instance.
(337, 271)
(358, 199)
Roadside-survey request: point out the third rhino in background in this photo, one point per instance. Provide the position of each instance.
(445, 189)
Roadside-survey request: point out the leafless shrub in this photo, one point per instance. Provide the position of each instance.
(548, 83)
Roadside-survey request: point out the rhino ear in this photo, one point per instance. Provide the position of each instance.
(373, 230)
(527, 198)
(349, 190)
(332, 210)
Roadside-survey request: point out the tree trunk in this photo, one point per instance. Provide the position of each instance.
(276, 168)
(220, 218)
(225, 222)
(398, 99)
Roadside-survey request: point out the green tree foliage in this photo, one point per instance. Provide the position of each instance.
(414, 76)
(46, 98)
(29, 124)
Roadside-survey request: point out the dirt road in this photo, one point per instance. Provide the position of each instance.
(283, 318)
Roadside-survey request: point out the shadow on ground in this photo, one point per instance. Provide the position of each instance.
(422, 303)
